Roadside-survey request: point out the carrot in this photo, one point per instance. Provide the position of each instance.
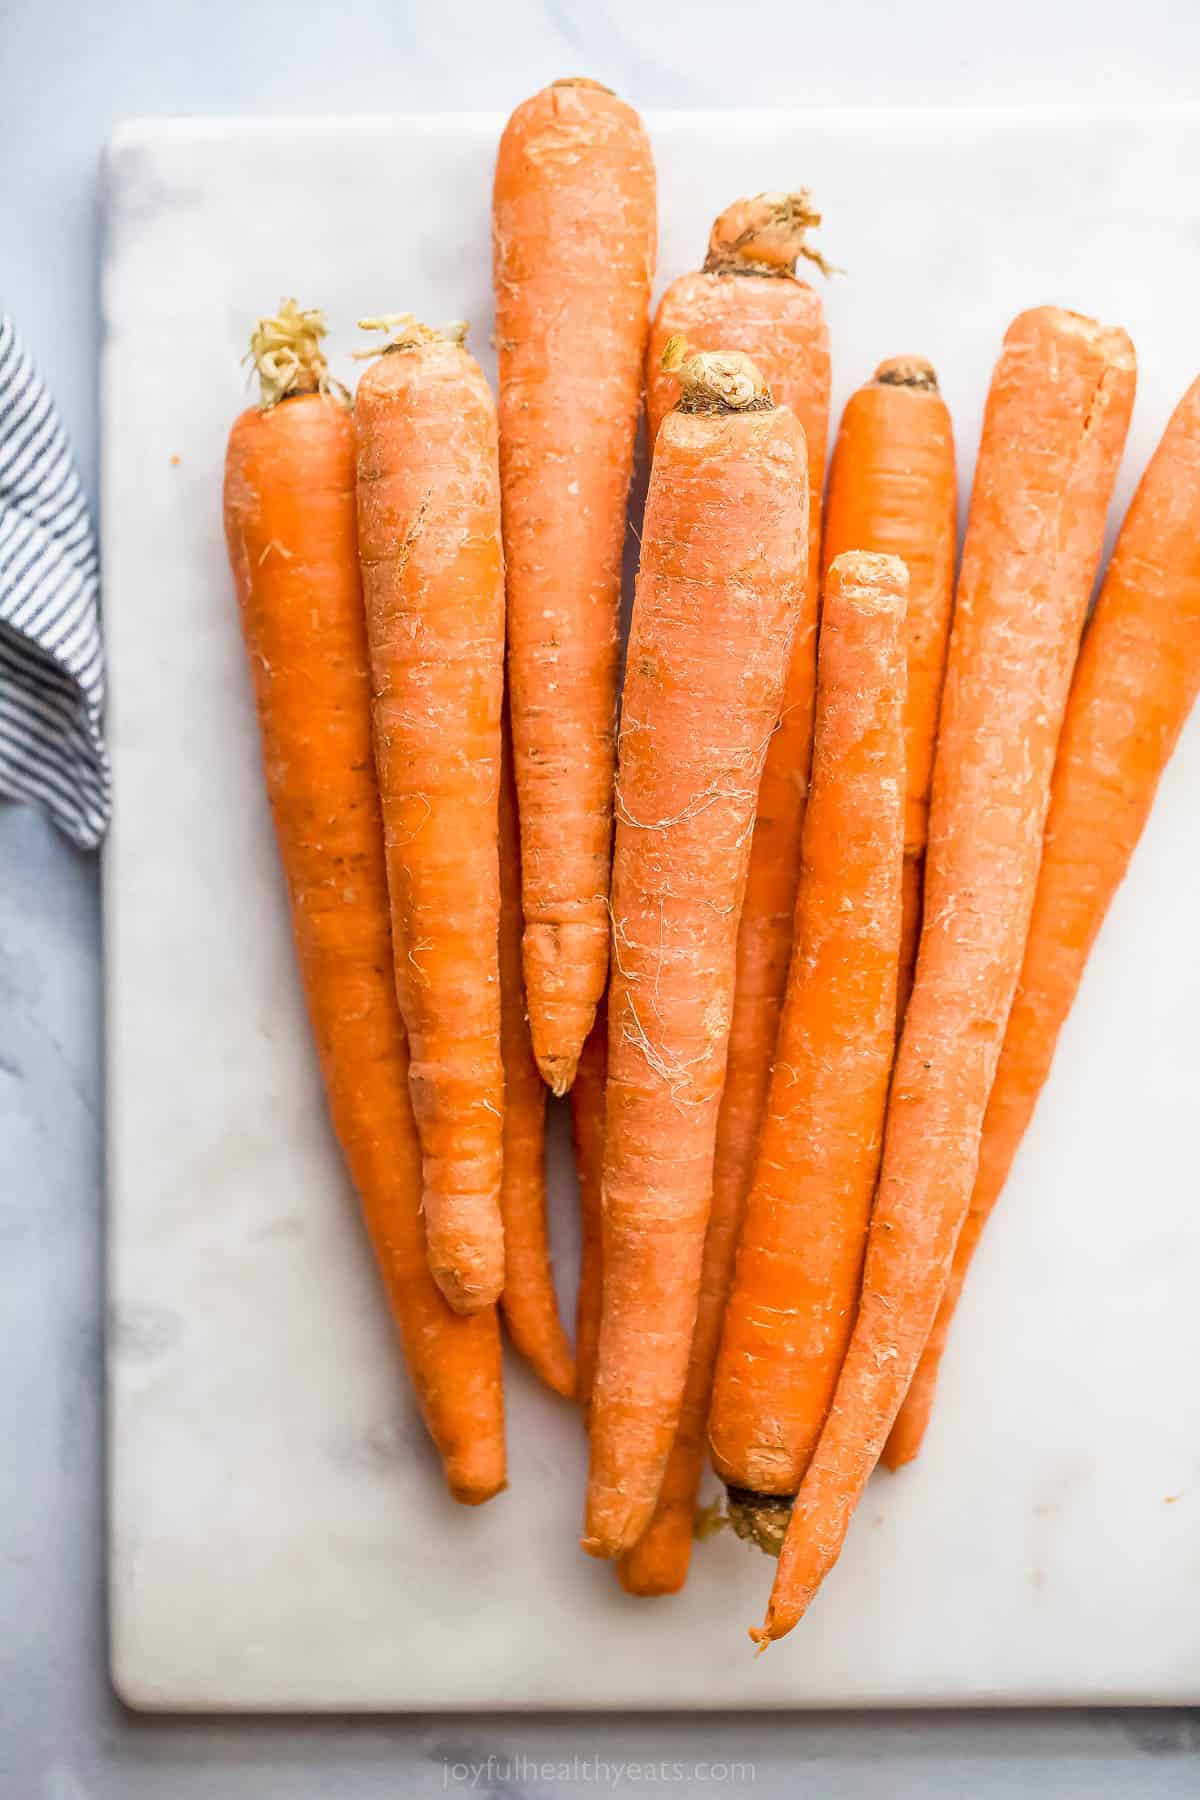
(587, 1131)
(724, 555)
(892, 489)
(747, 294)
(433, 584)
(1136, 682)
(574, 231)
(1053, 431)
(800, 1255)
(290, 525)
(529, 1304)
(658, 1563)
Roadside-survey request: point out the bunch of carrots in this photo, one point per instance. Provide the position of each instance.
(798, 927)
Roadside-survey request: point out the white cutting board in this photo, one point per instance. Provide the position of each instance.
(280, 1534)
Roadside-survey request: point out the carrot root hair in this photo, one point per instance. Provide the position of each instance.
(714, 380)
(760, 1519)
(907, 371)
(404, 331)
(285, 353)
(765, 234)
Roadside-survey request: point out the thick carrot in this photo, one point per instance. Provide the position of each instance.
(290, 527)
(892, 489)
(800, 1255)
(1053, 431)
(433, 584)
(529, 1303)
(721, 582)
(1135, 684)
(587, 1131)
(747, 294)
(574, 231)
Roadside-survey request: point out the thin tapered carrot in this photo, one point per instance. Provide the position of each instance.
(747, 293)
(1053, 432)
(529, 1304)
(799, 1259)
(290, 525)
(721, 582)
(574, 227)
(587, 1131)
(659, 1561)
(433, 585)
(892, 489)
(1135, 684)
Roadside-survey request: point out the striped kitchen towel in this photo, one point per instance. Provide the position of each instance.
(51, 657)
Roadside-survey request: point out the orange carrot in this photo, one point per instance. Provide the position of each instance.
(892, 489)
(800, 1255)
(724, 557)
(290, 526)
(529, 1303)
(747, 294)
(658, 1563)
(1053, 431)
(574, 230)
(433, 583)
(1135, 684)
(587, 1130)
(801, 1246)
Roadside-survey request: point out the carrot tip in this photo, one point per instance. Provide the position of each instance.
(559, 1377)
(463, 1298)
(405, 331)
(760, 1519)
(714, 380)
(472, 1494)
(907, 371)
(558, 1073)
(765, 235)
(657, 1585)
(582, 81)
(899, 1457)
(867, 577)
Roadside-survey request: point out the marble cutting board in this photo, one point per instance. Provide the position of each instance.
(279, 1534)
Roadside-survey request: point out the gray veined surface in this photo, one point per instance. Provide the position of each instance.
(264, 1554)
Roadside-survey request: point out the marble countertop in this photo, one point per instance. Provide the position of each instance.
(62, 1736)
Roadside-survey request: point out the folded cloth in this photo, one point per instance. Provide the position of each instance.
(51, 657)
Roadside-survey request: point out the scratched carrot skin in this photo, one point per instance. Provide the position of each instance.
(893, 490)
(724, 557)
(747, 293)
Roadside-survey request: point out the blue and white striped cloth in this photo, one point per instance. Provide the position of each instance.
(51, 657)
